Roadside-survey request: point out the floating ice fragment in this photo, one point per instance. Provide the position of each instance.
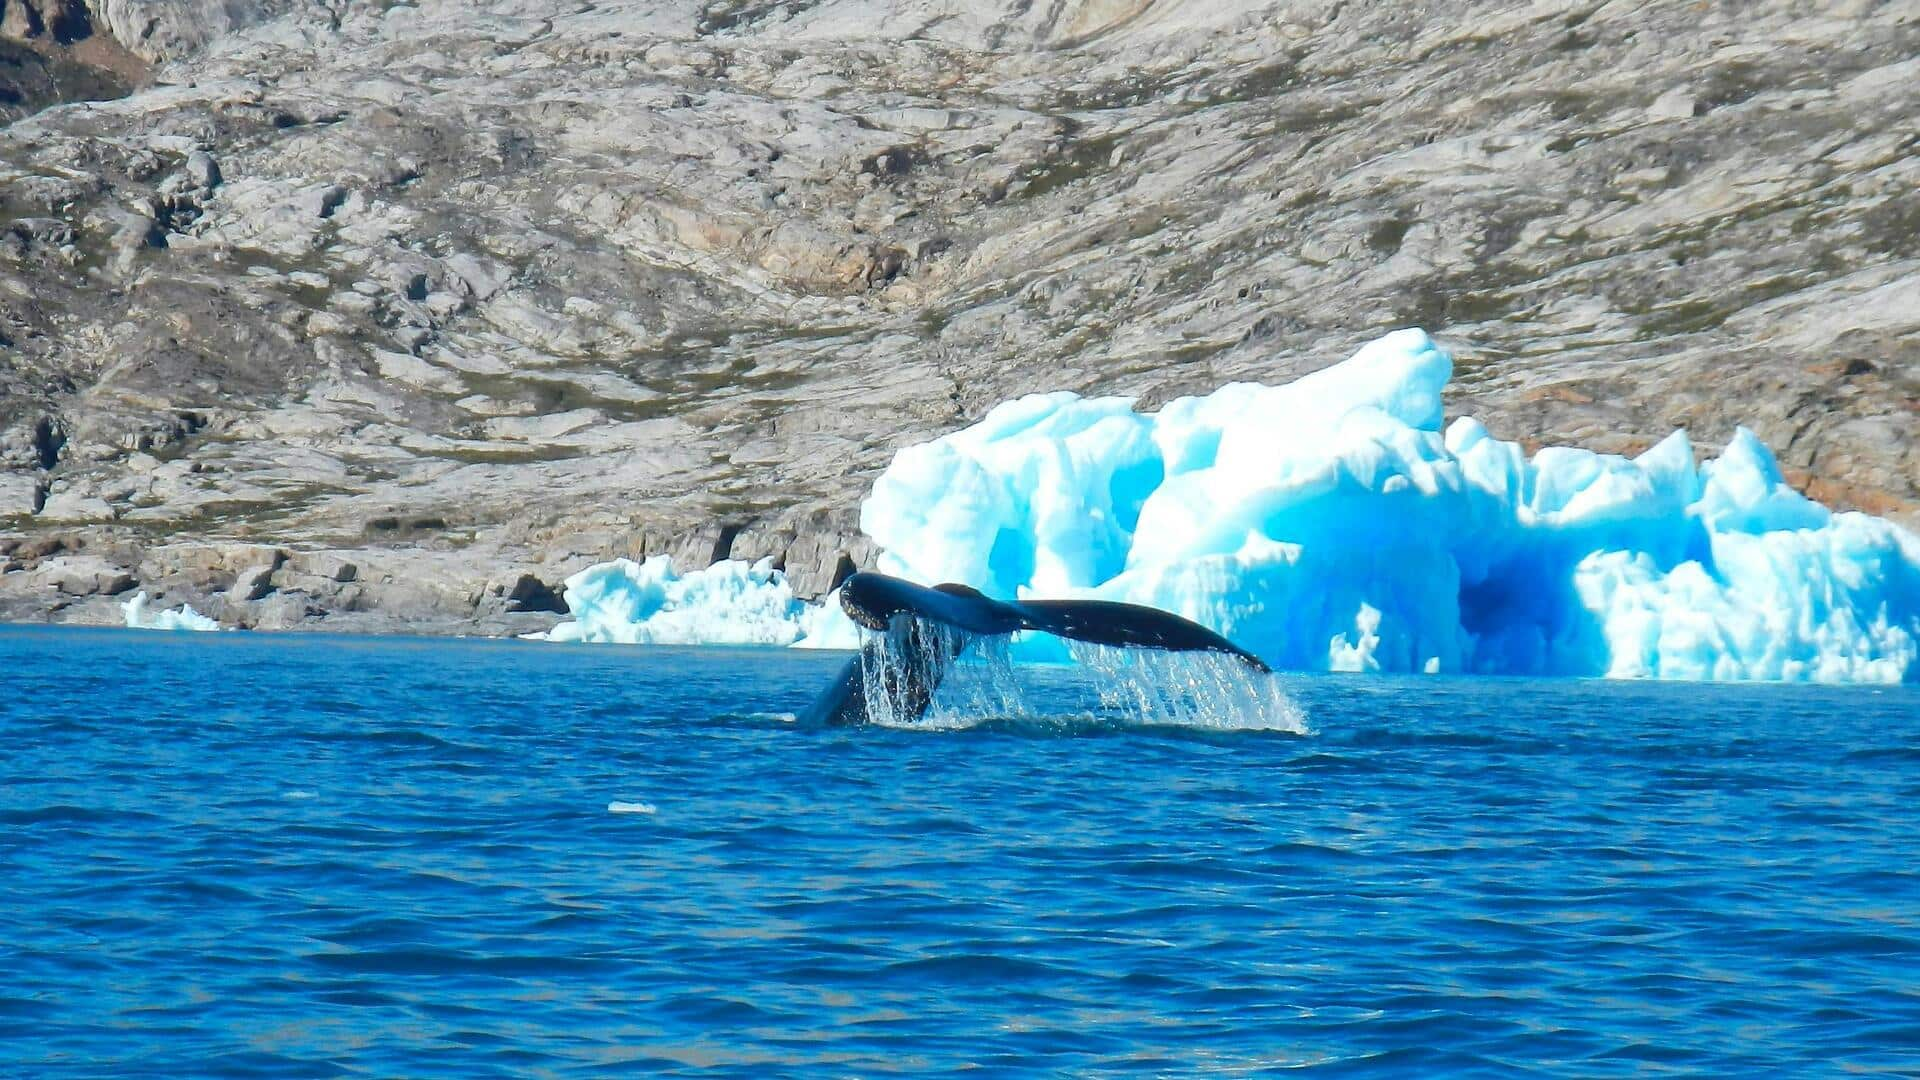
(729, 603)
(1354, 652)
(185, 618)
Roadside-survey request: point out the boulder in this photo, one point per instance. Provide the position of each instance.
(83, 575)
(253, 583)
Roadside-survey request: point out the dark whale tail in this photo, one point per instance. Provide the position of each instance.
(928, 628)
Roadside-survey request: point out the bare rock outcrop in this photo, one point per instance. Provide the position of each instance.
(484, 292)
(49, 54)
(158, 30)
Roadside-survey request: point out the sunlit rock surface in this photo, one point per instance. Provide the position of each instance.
(476, 293)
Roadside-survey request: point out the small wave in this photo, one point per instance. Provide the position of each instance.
(1319, 762)
(400, 737)
(975, 968)
(1887, 754)
(68, 814)
(1385, 738)
(438, 962)
(631, 808)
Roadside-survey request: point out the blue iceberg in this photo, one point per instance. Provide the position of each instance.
(1338, 523)
(1334, 523)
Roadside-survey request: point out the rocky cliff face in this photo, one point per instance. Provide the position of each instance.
(49, 53)
(420, 306)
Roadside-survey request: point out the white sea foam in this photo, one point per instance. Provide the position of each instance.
(630, 808)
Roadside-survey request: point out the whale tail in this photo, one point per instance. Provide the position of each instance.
(926, 630)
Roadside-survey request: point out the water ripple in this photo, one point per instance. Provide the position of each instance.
(298, 857)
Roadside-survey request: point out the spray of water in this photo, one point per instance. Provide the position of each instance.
(1188, 689)
(901, 667)
(926, 675)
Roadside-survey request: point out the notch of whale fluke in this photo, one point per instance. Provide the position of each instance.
(924, 630)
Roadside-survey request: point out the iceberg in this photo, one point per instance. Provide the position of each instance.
(1339, 523)
(729, 603)
(184, 618)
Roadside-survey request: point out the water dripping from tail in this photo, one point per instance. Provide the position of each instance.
(928, 676)
(902, 667)
(1152, 687)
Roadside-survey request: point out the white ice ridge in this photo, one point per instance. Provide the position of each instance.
(728, 603)
(1332, 524)
(185, 618)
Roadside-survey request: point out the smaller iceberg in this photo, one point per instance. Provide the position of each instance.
(729, 603)
(185, 618)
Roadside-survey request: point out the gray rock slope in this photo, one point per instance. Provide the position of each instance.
(370, 314)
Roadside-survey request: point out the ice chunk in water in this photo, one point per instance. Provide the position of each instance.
(182, 618)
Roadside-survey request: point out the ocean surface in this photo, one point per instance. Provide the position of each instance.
(250, 855)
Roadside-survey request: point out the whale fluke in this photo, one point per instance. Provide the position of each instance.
(928, 628)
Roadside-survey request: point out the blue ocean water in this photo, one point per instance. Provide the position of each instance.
(248, 855)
